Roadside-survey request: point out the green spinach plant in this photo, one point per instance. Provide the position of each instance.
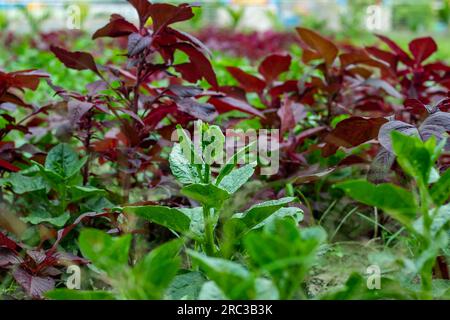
(147, 279)
(422, 210)
(192, 164)
(46, 192)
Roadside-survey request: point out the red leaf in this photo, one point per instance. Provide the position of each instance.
(226, 104)
(27, 78)
(75, 60)
(164, 14)
(142, 7)
(288, 86)
(7, 242)
(157, 114)
(414, 105)
(34, 286)
(117, 27)
(290, 114)
(402, 55)
(200, 64)
(385, 56)
(274, 65)
(422, 48)
(77, 109)
(203, 111)
(191, 39)
(352, 132)
(319, 44)
(249, 82)
(8, 166)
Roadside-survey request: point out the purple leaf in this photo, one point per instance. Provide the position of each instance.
(34, 286)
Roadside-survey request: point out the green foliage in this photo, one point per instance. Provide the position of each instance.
(149, 278)
(59, 175)
(420, 210)
(189, 166)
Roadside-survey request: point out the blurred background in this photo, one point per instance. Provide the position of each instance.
(239, 32)
(352, 17)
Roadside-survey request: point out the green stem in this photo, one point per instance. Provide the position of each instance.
(426, 273)
(63, 199)
(209, 246)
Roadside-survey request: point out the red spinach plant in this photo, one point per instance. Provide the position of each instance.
(125, 118)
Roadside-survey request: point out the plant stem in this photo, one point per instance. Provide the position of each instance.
(209, 246)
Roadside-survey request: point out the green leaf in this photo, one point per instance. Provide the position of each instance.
(22, 184)
(237, 178)
(190, 152)
(96, 204)
(285, 252)
(186, 286)
(63, 160)
(261, 211)
(396, 201)
(79, 192)
(293, 212)
(213, 142)
(235, 281)
(38, 217)
(238, 157)
(168, 217)
(210, 291)
(68, 294)
(207, 194)
(156, 271)
(414, 156)
(440, 220)
(197, 225)
(105, 252)
(440, 191)
(183, 170)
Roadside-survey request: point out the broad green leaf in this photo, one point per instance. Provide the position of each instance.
(414, 156)
(440, 220)
(440, 191)
(186, 286)
(235, 281)
(155, 272)
(295, 213)
(213, 142)
(207, 194)
(80, 192)
(285, 252)
(427, 257)
(68, 294)
(22, 184)
(210, 291)
(192, 153)
(237, 178)
(96, 204)
(237, 158)
(396, 201)
(38, 217)
(105, 252)
(255, 217)
(265, 290)
(261, 211)
(197, 224)
(182, 168)
(63, 160)
(168, 217)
